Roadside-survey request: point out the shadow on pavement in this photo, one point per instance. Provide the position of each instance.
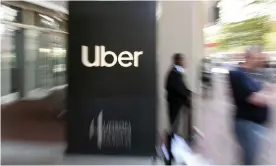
(34, 120)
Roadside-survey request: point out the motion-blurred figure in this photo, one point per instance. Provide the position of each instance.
(206, 77)
(251, 106)
(178, 95)
(264, 72)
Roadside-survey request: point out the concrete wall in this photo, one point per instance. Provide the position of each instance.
(30, 49)
(179, 30)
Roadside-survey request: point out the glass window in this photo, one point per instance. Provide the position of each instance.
(51, 52)
(9, 69)
(59, 59)
(45, 21)
(51, 61)
(9, 53)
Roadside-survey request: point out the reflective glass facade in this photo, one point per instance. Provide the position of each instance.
(32, 59)
(9, 50)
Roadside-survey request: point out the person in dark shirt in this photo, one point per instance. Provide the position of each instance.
(178, 95)
(251, 106)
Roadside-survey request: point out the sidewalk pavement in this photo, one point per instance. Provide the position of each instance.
(215, 121)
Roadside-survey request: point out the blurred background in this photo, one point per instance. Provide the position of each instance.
(42, 44)
(33, 76)
(241, 24)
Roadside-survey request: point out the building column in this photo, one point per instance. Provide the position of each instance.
(180, 29)
(30, 52)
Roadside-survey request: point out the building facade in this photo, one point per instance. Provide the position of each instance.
(33, 49)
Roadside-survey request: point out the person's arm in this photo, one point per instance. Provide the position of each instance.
(262, 97)
(258, 99)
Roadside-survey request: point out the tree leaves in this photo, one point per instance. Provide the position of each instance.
(248, 32)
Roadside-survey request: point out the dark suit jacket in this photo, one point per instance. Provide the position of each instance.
(177, 92)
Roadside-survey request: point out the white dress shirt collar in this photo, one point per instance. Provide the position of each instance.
(180, 69)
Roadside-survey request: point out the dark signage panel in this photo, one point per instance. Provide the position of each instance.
(112, 77)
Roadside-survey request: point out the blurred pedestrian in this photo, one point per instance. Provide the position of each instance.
(206, 76)
(265, 72)
(251, 102)
(178, 96)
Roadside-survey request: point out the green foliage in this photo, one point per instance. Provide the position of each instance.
(270, 41)
(257, 2)
(267, 2)
(259, 30)
(248, 32)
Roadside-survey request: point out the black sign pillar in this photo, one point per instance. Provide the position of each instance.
(112, 77)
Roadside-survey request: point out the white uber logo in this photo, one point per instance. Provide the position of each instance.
(125, 58)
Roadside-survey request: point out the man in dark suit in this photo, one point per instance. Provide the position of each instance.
(178, 95)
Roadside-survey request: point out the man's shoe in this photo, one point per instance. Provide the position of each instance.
(168, 162)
